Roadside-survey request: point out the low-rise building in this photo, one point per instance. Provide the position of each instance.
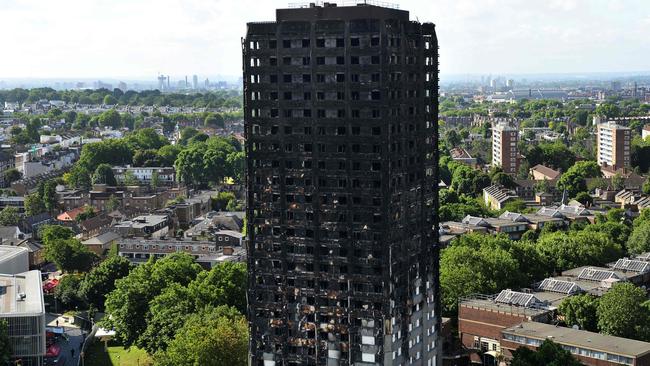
(496, 196)
(13, 259)
(541, 172)
(145, 175)
(461, 155)
(206, 253)
(102, 243)
(145, 226)
(22, 306)
(587, 347)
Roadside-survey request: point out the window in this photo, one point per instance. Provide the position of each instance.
(354, 60)
(320, 43)
(286, 61)
(273, 78)
(306, 78)
(374, 41)
(320, 60)
(305, 43)
(273, 61)
(286, 43)
(354, 42)
(287, 78)
(374, 60)
(340, 42)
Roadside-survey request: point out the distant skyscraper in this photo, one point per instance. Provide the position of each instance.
(122, 86)
(505, 152)
(613, 144)
(340, 110)
(195, 82)
(510, 83)
(207, 83)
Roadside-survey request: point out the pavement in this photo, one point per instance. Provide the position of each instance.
(75, 337)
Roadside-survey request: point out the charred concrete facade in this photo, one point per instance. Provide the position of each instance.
(341, 138)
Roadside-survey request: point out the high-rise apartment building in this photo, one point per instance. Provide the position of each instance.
(613, 144)
(505, 152)
(341, 114)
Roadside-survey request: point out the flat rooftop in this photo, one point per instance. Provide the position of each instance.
(580, 338)
(350, 10)
(21, 294)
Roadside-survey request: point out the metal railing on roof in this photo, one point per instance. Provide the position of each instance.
(321, 3)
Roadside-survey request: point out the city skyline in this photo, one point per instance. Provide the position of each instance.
(135, 39)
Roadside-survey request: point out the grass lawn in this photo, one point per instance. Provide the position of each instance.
(116, 356)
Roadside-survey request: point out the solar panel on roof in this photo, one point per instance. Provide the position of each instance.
(595, 274)
(516, 298)
(632, 265)
(563, 287)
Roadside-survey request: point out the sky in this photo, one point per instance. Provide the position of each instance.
(138, 39)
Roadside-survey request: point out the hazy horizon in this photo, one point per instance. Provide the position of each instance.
(138, 39)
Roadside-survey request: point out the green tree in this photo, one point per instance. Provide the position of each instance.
(237, 164)
(68, 255)
(33, 205)
(67, 291)
(639, 240)
(584, 198)
(646, 186)
(503, 179)
(100, 281)
(621, 312)
(580, 310)
(50, 233)
(110, 118)
(452, 138)
(104, 175)
(574, 178)
(549, 353)
(78, 177)
(476, 263)
(5, 342)
(128, 304)
(618, 182)
(155, 180)
(186, 134)
(221, 200)
(112, 204)
(129, 179)
(109, 151)
(47, 192)
(9, 216)
(146, 158)
(563, 250)
(214, 120)
(224, 284)
(213, 337)
(167, 154)
(88, 212)
(146, 139)
(11, 175)
(110, 100)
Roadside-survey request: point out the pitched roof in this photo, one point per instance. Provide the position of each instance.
(102, 239)
(517, 298)
(72, 214)
(550, 173)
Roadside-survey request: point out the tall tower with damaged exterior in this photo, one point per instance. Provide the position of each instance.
(341, 110)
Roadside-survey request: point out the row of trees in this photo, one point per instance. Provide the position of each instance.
(199, 160)
(623, 311)
(215, 99)
(477, 263)
(182, 314)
